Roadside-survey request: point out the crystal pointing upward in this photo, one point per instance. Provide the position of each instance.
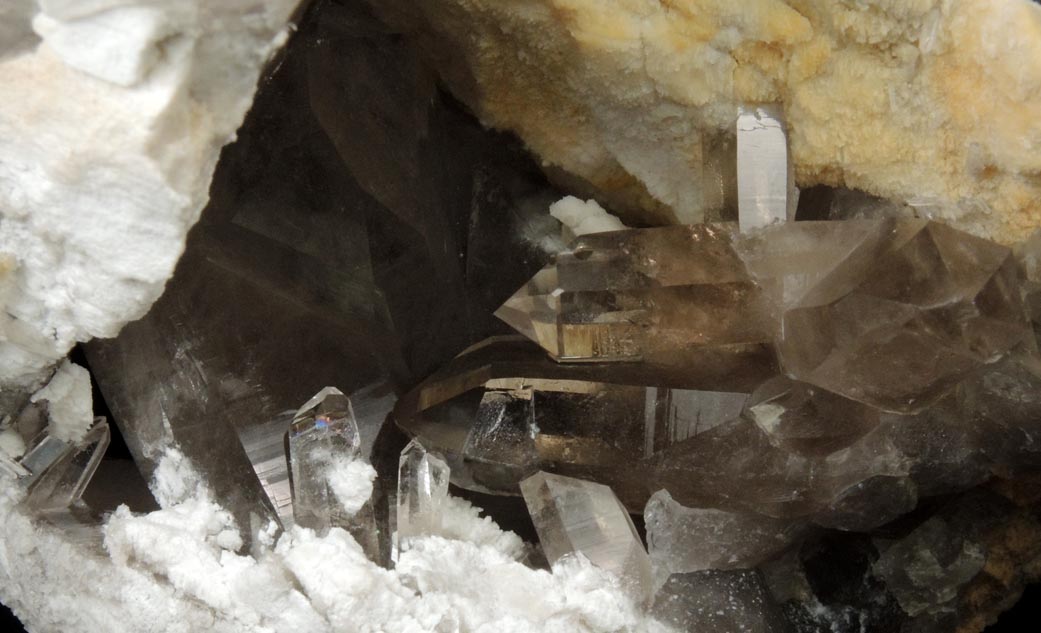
(323, 431)
(766, 190)
(573, 516)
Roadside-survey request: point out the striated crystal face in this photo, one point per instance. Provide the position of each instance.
(766, 191)
(573, 516)
(670, 296)
(422, 489)
(265, 446)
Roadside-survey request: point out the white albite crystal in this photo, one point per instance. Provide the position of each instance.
(70, 405)
(581, 218)
(110, 128)
(179, 569)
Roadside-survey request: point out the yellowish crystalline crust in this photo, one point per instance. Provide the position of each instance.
(933, 102)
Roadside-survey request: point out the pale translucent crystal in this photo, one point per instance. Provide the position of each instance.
(573, 516)
(682, 539)
(718, 602)
(322, 433)
(668, 295)
(766, 192)
(422, 489)
(60, 471)
(266, 449)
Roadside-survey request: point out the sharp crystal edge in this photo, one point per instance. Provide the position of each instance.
(422, 490)
(60, 471)
(324, 436)
(265, 446)
(766, 192)
(573, 516)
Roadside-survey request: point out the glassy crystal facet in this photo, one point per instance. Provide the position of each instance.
(422, 489)
(265, 446)
(766, 190)
(60, 471)
(324, 436)
(669, 296)
(573, 516)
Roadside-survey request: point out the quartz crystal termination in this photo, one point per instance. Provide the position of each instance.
(573, 516)
(889, 312)
(422, 490)
(765, 174)
(672, 296)
(323, 436)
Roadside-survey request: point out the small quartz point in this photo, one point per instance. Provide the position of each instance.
(323, 435)
(682, 539)
(60, 471)
(422, 490)
(766, 192)
(265, 447)
(573, 516)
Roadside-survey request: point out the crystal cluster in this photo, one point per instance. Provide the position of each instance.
(825, 425)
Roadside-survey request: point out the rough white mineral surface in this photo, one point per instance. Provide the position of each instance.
(112, 117)
(932, 102)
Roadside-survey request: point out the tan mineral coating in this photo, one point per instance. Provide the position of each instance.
(937, 102)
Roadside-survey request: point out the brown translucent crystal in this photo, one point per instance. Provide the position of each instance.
(668, 295)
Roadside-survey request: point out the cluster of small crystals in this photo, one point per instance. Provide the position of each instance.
(744, 390)
(826, 425)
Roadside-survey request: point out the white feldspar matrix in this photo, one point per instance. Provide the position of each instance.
(422, 490)
(765, 180)
(574, 516)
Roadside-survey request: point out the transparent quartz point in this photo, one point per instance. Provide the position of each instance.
(669, 295)
(573, 516)
(323, 436)
(60, 471)
(422, 489)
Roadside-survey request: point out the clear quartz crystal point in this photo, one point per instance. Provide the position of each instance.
(766, 192)
(422, 489)
(60, 471)
(574, 516)
(323, 433)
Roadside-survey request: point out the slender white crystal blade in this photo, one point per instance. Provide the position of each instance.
(574, 516)
(422, 490)
(765, 185)
(323, 433)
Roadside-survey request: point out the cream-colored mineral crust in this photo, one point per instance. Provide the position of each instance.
(932, 102)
